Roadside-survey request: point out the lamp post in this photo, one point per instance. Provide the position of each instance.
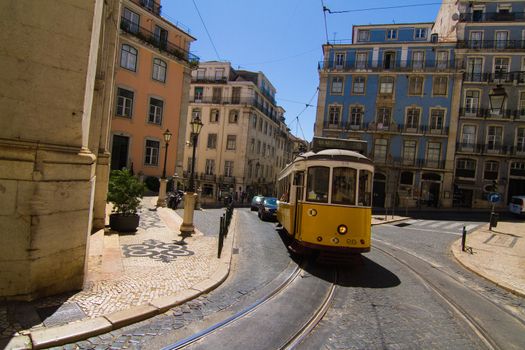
(161, 201)
(497, 97)
(187, 228)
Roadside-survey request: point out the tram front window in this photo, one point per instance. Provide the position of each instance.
(343, 186)
(317, 186)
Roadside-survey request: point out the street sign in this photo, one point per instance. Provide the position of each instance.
(494, 197)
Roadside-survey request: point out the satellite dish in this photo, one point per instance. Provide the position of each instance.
(455, 17)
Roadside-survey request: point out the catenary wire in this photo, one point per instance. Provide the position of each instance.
(206, 29)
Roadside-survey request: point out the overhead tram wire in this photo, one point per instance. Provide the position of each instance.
(325, 9)
(207, 32)
(304, 109)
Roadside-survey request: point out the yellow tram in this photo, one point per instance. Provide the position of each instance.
(326, 201)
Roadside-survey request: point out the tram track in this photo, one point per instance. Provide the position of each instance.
(476, 310)
(290, 341)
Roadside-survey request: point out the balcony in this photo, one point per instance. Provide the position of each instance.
(207, 177)
(492, 17)
(485, 113)
(494, 148)
(247, 101)
(402, 66)
(517, 77)
(411, 163)
(150, 5)
(156, 41)
(209, 80)
(497, 45)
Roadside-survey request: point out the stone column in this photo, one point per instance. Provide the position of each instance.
(187, 228)
(161, 201)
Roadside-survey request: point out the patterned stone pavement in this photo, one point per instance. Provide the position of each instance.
(125, 271)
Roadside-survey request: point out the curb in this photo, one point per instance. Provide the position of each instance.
(83, 329)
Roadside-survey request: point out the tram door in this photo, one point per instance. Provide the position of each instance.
(298, 186)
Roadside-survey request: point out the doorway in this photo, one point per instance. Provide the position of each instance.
(379, 190)
(119, 152)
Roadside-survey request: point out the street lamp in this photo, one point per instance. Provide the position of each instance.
(497, 97)
(161, 201)
(187, 228)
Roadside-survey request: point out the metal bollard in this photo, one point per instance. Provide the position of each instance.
(463, 239)
(221, 237)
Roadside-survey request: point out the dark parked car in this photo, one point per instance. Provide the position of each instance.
(268, 208)
(256, 201)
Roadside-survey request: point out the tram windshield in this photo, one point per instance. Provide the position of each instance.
(317, 184)
(344, 186)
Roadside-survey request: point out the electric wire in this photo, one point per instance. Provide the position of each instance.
(296, 119)
(325, 9)
(325, 25)
(207, 32)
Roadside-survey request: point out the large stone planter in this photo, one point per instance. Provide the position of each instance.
(124, 223)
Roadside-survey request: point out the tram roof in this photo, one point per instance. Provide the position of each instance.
(336, 154)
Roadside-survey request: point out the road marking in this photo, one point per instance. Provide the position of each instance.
(454, 225)
(471, 226)
(413, 221)
(423, 229)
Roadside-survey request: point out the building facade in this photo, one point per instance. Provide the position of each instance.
(244, 142)
(151, 89)
(56, 90)
(392, 86)
(490, 154)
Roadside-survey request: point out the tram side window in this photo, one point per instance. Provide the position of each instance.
(365, 188)
(343, 186)
(317, 184)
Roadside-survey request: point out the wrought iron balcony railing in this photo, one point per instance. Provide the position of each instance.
(498, 78)
(405, 66)
(409, 162)
(498, 45)
(492, 17)
(150, 5)
(250, 101)
(486, 113)
(209, 80)
(488, 148)
(156, 41)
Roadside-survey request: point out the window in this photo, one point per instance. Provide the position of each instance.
(468, 136)
(517, 169)
(380, 148)
(471, 102)
(233, 117)
(358, 86)
(409, 152)
(361, 59)
(383, 117)
(363, 35)
(210, 167)
(334, 115)
(214, 115)
(344, 185)
(236, 94)
(212, 141)
(418, 59)
(415, 85)
(420, 33)
(389, 61)
(474, 69)
(152, 153)
(252, 145)
(219, 73)
(477, 14)
(201, 73)
(128, 57)
(502, 39)
(231, 142)
(228, 168)
(491, 170)
(339, 60)
(406, 178)
(412, 118)
(317, 184)
(391, 34)
(476, 39)
(433, 154)
(501, 67)
(442, 59)
(216, 95)
(337, 85)
(197, 93)
(437, 120)
(196, 113)
(131, 21)
(159, 70)
(521, 105)
(258, 147)
(356, 117)
(466, 168)
(386, 85)
(365, 188)
(155, 111)
(520, 140)
(124, 103)
(161, 37)
(494, 137)
(440, 86)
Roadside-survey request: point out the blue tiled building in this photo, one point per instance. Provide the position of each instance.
(393, 87)
(419, 93)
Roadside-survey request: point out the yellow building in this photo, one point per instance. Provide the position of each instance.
(152, 82)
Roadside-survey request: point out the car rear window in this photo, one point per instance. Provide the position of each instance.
(517, 201)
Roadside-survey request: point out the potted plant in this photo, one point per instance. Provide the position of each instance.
(125, 192)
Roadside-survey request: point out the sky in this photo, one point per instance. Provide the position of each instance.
(284, 38)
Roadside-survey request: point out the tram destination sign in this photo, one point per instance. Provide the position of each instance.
(321, 143)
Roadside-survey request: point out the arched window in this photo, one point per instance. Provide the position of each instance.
(159, 70)
(128, 57)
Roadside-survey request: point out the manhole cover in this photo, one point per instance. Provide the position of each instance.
(403, 224)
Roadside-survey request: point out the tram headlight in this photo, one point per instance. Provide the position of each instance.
(342, 229)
